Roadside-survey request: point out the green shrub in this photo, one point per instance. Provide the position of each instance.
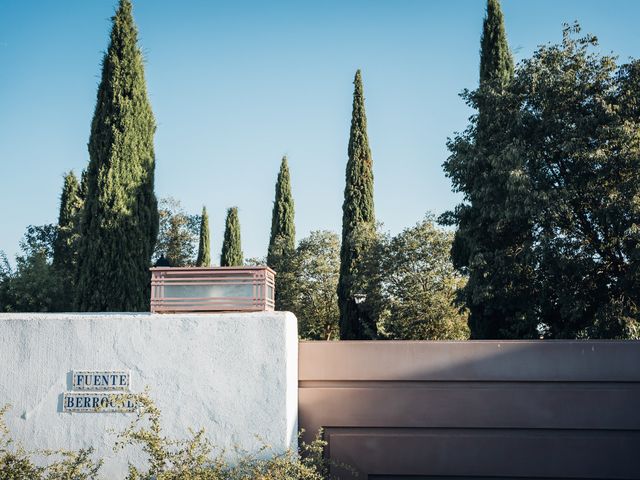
(167, 459)
(16, 463)
(193, 458)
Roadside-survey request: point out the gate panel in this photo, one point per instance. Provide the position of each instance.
(489, 409)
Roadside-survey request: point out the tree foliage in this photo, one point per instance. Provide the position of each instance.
(283, 230)
(416, 286)
(6, 273)
(231, 244)
(34, 286)
(567, 171)
(178, 234)
(204, 247)
(316, 269)
(408, 285)
(496, 62)
(65, 249)
(492, 232)
(282, 240)
(357, 213)
(120, 217)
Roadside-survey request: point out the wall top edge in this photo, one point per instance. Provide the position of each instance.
(137, 315)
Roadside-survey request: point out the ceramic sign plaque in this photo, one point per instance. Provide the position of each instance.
(99, 391)
(101, 380)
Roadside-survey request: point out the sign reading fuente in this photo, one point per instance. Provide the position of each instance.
(105, 380)
(99, 391)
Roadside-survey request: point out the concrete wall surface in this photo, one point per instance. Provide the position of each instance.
(233, 374)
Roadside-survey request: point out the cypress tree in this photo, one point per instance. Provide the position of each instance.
(231, 246)
(204, 251)
(283, 229)
(357, 214)
(282, 241)
(493, 235)
(496, 62)
(120, 217)
(65, 248)
(496, 70)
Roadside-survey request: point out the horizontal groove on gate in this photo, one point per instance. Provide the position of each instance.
(460, 384)
(479, 431)
(465, 477)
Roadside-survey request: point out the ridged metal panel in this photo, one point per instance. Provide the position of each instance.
(476, 409)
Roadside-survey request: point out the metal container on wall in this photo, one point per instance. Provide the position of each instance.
(212, 289)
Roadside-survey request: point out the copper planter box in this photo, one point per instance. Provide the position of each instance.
(212, 289)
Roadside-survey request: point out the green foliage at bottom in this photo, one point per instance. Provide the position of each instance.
(193, 458)
(16, 463)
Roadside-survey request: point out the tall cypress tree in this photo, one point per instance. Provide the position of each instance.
(357, 215)
(283, 229)
(493, 235)
(204, 250)
(231, 246)
(496, 62)
(282, 241)
(65, 248)
(496, 70)
(120, 217)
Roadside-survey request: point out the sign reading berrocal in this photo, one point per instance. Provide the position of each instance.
(91, 402)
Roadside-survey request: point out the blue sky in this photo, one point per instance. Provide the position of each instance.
(235, 85)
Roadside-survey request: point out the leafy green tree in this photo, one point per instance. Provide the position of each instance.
(120, 215)
(204, 249)
(40, 239)
(282, 241)
(417, 285)
(65, 249)
(316, 267)
(255, 261)
(178, 234)
(560, 255)
(34, 286)
(578, 135)
(231, 245)
(357, 214)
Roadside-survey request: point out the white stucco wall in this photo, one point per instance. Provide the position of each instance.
(233, 374)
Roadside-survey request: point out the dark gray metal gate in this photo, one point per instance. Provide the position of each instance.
(476, 409)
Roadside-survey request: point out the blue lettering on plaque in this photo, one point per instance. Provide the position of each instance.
(101, 380)
(99, 391)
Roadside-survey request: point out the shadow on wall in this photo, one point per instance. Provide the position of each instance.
(528, 409)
